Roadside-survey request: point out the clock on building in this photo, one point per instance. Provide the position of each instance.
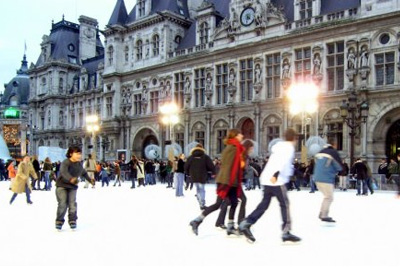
(247, 16)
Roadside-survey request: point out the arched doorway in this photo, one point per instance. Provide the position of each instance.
(393, 140)
(143, 138)
(149, 140)
(248, 129)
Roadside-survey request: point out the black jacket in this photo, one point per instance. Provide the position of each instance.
(198, 165)
(360, 170)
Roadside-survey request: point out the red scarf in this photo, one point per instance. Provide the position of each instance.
(236, 169)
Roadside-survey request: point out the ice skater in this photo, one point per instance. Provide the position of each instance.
(67, 185)
(327, 166)
(274, 178)
(229, 180)
(21, 180)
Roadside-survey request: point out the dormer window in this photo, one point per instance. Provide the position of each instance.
(141, 7)
(204, 33)
(139, 50)
(156, 45)
(305, 9)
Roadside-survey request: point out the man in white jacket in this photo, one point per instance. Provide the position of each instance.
(274, 178)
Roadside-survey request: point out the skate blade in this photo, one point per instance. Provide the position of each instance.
(250, 241)
(291, 243)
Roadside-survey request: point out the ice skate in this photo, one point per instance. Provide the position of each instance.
(288, 237)
(231, 230)
(72, 224)
(244, 227)
(328, 219)
(195, 226)
(59, 226)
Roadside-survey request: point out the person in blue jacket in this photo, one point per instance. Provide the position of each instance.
(327, 165)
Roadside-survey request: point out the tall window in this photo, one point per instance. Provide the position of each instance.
(110, 55)
(179, 89)
(273, 75)
(303, 64)
(156, 45)
(154, 102)
(246, 80)
(204, 33)
(43, 86)
(61, 118)
(137, 104)
(222, 84)
(384, 68)
(139, 50)
(179, 139)
(335, 68)
(221, 134)
(49, 119)
(199, 87)
(273, 133)
(335, 130)
(141, 7)
(305, 9)
(109, 107)
(60, 85)
(200, 137)
(126, 54)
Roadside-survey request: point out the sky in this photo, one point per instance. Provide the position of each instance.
(26, 21)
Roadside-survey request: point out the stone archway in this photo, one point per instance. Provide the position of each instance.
(248, 129)
(143, 138)
(393, 140)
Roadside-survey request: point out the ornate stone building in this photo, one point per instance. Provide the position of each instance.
(229, 63)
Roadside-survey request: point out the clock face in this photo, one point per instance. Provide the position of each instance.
(247, 16)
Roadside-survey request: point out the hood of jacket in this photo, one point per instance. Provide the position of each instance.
(197, 152)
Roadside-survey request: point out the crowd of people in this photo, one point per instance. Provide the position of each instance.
(235, 173)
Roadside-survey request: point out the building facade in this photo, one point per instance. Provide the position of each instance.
(228, 64)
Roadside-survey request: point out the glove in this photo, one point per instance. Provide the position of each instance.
(73, 180)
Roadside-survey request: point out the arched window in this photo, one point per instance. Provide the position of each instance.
(14, 101)
(139, 50)
(156, 45)
(204, 33)
(110, 55)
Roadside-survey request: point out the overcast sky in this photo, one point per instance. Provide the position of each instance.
(28, 20)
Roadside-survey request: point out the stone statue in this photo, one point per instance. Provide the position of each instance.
(145, 93)
(257, 75)
(286, 69)
(351, 59)
(187, 85)
(234, 21)
(259, 16)
(168, 90)
(364, 57)
(317, 64)
(232, 77)
(208, 82)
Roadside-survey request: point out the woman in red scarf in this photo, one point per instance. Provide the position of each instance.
(229, 179)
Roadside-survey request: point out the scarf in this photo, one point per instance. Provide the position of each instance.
(236, 169)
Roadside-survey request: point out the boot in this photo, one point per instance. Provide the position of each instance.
(244, 227)
(230, 230)
(72, 224)
(59, 225)
(195, 226)
(289, 237)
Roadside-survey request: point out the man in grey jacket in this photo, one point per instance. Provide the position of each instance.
(327, 165)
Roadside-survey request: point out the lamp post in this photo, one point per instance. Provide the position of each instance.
(354, 114)
(92, 127)
(169, 112)
(303, 98)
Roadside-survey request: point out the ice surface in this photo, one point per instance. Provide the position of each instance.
(150, 227)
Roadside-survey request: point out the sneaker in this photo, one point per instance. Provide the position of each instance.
(72, 225)
(244, 227)
(195, 226)
(328, 219)
(289, 237)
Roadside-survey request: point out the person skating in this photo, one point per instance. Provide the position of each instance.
(21, 180)
(197, 166)
(90, 167)
(229, 180)
(274, 178)
(327, 165)
(67, 185)
(117, 172)
(359, 170)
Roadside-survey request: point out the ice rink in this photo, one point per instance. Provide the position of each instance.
(150, 227)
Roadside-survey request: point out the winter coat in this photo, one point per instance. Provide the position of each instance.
(47, 166)
(227, 158)
(327, 165)
(198, 165)
(24, 171)
(345, 170)
(70, 170)
(11, 171)
(360, 170)
(36, 165)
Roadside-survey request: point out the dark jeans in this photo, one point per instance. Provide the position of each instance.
(256, 182)
(280, 192)
(133, 177)
(232, 196)
(170, 179)
(66, 199)
(27, 192)
(369, 185)
(224, 209)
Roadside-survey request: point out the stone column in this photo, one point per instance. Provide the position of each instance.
(257, 127)
(208, 131)
(187, 131)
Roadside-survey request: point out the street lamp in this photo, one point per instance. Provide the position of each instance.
(92, 126)
(353, 114)
(303, 98)
(169, 117)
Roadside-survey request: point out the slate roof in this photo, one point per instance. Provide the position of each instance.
(19, 85)
(119, 15)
